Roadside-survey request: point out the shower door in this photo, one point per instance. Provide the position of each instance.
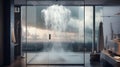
(54, 32)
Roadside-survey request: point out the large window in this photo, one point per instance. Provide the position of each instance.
(56, 34)
(108, 16)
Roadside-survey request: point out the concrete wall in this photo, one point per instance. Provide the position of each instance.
(1, 33)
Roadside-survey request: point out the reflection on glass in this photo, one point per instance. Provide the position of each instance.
(98, 19)
(111, 28)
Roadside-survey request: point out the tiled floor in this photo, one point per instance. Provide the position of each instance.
(21, 63)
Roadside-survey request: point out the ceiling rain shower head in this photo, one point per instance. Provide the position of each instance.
(51, 2)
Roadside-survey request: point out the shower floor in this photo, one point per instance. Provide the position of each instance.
(55, 58)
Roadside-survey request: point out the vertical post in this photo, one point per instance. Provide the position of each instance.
(1, 33)
(93, 45)
(6, 32)
(17, 28)
(84, 35)
(26, 30)
(12, 45)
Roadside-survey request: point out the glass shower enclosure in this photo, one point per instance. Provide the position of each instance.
(53, 32)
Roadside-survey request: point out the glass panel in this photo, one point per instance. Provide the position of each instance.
(111, 16)
(58, 31)
(88, 28)
(23, 31)
(54, 34)
(108, 16)
(88, 33)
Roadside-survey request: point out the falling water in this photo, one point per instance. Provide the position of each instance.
(56, 19)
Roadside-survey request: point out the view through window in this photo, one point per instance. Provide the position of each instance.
(55, 34)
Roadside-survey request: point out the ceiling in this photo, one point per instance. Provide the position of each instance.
(68, 2)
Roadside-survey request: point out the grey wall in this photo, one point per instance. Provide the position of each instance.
(1, 33)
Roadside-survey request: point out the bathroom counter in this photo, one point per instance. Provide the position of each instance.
(115, 61)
